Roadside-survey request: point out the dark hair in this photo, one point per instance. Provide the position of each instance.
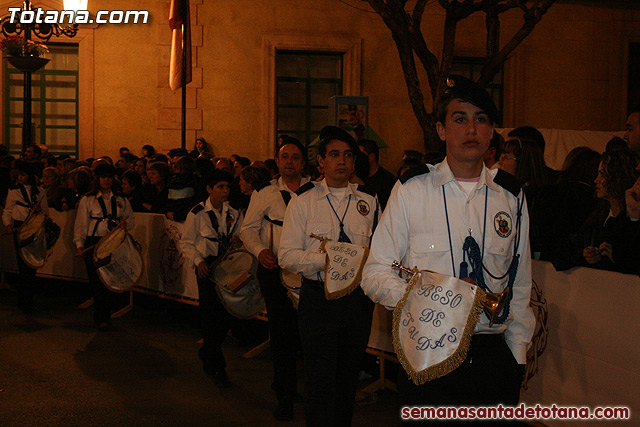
(362, 167)
(162, 168)
(128, 157)
(413, 154)
(81, 179)
(619, 172)
(50, 160)
(371, 147)
(408, 163)
(530, 168)
(286, 139)
(273, 166)
(530, 133)
(123, 150)
(616, 143)
(150, 150)
(203, 166)
(27, 168)
(206, 148)
(185, 165)
(217, 175)
(581, 165)
(3, 150)
(497, 142)
(331, 133)
(133, 178)
(160, 158)
(244, 161)
(256, 176)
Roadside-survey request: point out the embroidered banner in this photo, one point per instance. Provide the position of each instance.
(343, 268)
(433, 324)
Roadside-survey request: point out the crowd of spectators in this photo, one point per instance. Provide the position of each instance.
(586, 214)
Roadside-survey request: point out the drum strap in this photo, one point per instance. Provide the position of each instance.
(286, 197)
(28, 203)
(112, 217)
(223, 240)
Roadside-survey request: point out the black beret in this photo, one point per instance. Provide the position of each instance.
(104, 169)
(329, 133)
(467, 90)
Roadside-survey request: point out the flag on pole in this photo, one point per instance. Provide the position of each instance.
(179, 22)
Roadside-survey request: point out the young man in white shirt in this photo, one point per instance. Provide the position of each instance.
(432, 211)
(333, 332)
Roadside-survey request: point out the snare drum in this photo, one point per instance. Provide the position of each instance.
(118, 260)
(31, 240)
(237, 284)
(293, 283)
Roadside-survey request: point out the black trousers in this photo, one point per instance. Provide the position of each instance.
(26, 275)
(334, 336)
(489, 375)
(283, 331)
(215, 322)
(103, 298)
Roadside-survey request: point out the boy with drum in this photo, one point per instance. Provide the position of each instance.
(21, 199)
(99, 212)
(209, 231)
(435, 214)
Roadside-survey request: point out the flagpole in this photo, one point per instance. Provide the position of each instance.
(185, 18)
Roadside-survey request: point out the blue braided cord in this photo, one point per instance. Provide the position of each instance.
(446, 212)
(472, 249)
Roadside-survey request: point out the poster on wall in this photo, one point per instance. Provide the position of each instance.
(350, 113)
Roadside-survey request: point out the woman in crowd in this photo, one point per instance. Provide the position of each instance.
(99, 212)
(566, 206)
(148, 152)
(132, 189)
(155, 193)
(253, 178)
(603, 241)
(141, 168)
(20, 201)
(53, 186)
(200, 146)
(78, 184)
(524, 159)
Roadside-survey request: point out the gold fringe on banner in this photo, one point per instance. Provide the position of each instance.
(452, 362)
(356, 280)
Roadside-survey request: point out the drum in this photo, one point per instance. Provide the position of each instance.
(118, 260)
(32, 242)
(237, 284)
(293, 283)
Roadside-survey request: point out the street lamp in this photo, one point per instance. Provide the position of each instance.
(43, 31)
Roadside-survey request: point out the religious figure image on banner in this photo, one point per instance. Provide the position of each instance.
(343, 267)
(433, 324)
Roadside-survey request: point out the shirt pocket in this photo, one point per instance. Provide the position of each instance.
(320, 229)
(500, 246)
(425, 243)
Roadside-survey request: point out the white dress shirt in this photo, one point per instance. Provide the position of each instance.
(258, 233)
(413, 230)
(199, 235)
(90, 217)
(14, 208)
(310, 212)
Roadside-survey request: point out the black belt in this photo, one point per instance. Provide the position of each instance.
(273, 221)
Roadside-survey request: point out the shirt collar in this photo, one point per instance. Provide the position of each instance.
(101, 194)
(444, 175)
(282, 186)
(351, 189)
(209, 207)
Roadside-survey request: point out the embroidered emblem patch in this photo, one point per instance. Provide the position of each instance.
(363, 208)
(502, 224)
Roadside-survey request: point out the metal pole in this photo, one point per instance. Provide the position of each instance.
(26, 97)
